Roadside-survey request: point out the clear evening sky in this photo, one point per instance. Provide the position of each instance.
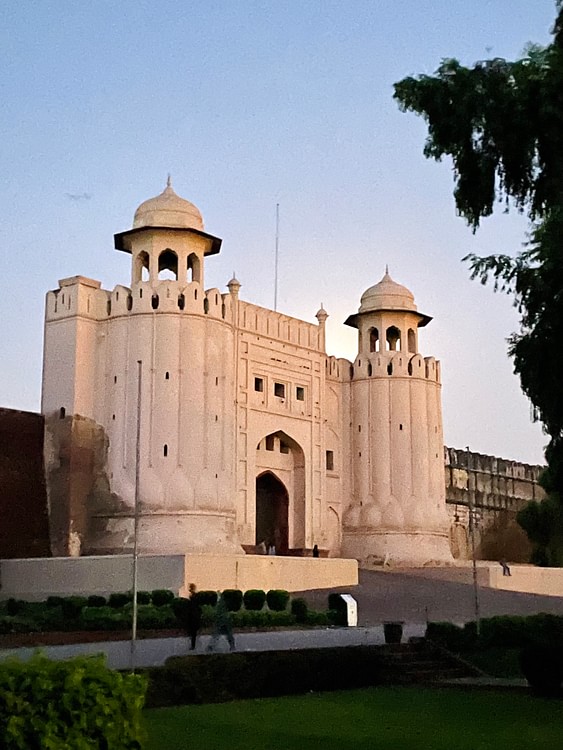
(249, 104)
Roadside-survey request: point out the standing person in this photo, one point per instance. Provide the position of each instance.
(188, 614)
(193, 616)
(223, 625)
(315, 550)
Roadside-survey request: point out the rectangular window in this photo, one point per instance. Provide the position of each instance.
(300, 393)
(279, 390)
(330, 460)
(259, 384)
(284, 447)
(270, 443)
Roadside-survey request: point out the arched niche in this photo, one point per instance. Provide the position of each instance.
(393, 339)
(373, 340)
(141, 267)
(194, 268)
(168, 265)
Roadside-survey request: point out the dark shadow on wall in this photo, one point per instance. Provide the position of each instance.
(24, 517)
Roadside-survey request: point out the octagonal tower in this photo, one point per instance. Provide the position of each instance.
(398, 508)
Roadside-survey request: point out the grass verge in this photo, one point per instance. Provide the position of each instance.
(386, 718)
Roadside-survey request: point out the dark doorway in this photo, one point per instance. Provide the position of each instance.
(272, 504)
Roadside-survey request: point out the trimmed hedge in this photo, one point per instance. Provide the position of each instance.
(161, 597)
(277, 600)
(78, 704)
(506, 631)
(254, 599)
(206, 598)
(215, 678)
(542, 666)
(299, 609)
(120, 599)
(97, 601)
(232, 599)
(96, 613)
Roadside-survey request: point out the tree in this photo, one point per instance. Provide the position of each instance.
(502, 124)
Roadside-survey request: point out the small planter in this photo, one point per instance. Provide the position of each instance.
(393, 631)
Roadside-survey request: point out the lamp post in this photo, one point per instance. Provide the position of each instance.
(471, 504)
(136, 514)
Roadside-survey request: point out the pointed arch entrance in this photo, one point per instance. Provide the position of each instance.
(272, 505)
(280, 492)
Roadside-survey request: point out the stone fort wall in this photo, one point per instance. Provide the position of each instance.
(497, 489)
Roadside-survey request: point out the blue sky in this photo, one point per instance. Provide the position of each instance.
(248, 104)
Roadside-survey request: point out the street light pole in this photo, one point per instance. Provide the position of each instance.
(136, 514)
(471, 496)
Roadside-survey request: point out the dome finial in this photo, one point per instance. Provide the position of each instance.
(386, 266)
(169, 181)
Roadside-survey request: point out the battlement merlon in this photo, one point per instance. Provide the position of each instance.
(265, 322)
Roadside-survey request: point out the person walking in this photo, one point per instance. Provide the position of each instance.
(223, 625)
(188, 613)
(193, 616)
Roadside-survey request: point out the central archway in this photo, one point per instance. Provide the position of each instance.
(272, 504)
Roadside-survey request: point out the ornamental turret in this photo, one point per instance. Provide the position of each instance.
(398, 510)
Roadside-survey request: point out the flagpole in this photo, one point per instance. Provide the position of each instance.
(136, 515)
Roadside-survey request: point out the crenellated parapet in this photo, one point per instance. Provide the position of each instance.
(275, 325)
(396, 365)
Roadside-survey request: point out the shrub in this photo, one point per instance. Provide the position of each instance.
(206, 598)
(155, 618)
(277, 600)
(160, 597)
(104, 618)
(78, 703)
(55, 601)
(450, 636)
(16, 624)
(542, 666)
(299, 609)
(254, 599)
(72, 606)
(14, 606)
(119, 600)
(96, 601)
(212, 678)
(144, 597)
(317, 618)
(262, 619)
(338, 610)
(232, 599)
(507, 631)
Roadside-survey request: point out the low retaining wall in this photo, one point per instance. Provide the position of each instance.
(527, 579)
(35, 579)
(269, 572)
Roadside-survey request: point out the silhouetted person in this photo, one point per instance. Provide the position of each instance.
(193, 616)
(505, 568)
(223, 625)
(315, 550)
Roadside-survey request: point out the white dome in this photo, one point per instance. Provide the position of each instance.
(168, 210)
(387, 295)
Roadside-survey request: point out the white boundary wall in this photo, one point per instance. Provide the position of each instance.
(527, 579)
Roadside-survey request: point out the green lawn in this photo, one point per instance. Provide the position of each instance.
(387, 718)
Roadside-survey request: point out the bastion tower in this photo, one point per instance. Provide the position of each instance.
(175, 337)
(398, 507)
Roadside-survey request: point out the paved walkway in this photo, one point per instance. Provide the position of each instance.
(154, 651)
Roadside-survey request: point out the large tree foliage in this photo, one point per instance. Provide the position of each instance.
(501, 123)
